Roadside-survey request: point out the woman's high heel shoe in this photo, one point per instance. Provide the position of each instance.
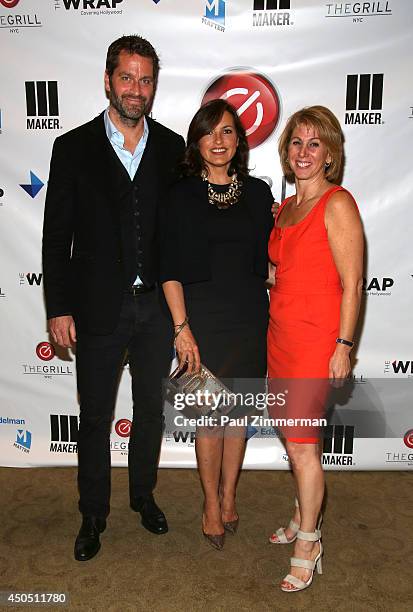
(216, 541)
(279, 536)
(297, 583)
(231, 526)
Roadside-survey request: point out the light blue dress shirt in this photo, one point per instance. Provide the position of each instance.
(129, 160)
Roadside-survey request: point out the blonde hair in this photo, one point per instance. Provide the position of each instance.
(329, 131)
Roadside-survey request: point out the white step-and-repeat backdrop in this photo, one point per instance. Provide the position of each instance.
(270, 58)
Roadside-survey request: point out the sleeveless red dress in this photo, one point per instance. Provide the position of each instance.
(304, 315)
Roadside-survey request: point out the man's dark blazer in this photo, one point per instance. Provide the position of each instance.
(90, 248)
(184, 245)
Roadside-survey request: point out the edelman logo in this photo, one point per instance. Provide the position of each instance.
(338, 445)
(23, 440)
(34, 186)
(215, 14)
(364, 99)
(42, 105)
(64, 430)
(11, 421)
(271, 13)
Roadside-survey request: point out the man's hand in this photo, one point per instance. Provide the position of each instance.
(63, 331)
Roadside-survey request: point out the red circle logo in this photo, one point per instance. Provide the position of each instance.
(45, 351)
(122, 428)
(408, 438)
(9, 3)
(255, 99)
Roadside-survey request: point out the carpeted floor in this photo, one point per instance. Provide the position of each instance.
(367, 534)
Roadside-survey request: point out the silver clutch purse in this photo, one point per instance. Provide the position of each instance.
(202, 393)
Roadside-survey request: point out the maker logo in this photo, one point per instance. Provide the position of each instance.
(215, 14)
(364, 99)
(64, 429)
(377, 286)
(42, 105)
(338, 445)
(255, 98)
(123, 427)
(271, 13)
(358, 11)
(23, 440)
(34, 186)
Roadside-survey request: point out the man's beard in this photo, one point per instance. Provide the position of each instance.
(129, 108)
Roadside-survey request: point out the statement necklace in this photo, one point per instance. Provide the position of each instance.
(224, 199)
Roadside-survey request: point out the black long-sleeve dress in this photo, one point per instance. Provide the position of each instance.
(220, 256)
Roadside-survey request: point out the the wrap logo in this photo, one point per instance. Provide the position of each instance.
(408, 438)
(45, 351)
(123, 427)
(93, 7)
(255, 98)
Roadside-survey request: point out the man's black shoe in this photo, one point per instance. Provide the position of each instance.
(153, 519)
(87, 543)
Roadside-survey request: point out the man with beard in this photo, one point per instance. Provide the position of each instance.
(100, 265)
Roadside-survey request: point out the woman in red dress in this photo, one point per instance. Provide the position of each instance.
(316, 247)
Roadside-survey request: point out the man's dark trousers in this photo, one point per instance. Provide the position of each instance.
(146, 333)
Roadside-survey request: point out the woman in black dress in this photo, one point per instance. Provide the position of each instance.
(213, 269)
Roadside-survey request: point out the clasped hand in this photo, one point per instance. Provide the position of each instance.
(187, 350)
(339, 367)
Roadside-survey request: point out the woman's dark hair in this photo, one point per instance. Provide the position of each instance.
(131, 44)
(205, 120)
